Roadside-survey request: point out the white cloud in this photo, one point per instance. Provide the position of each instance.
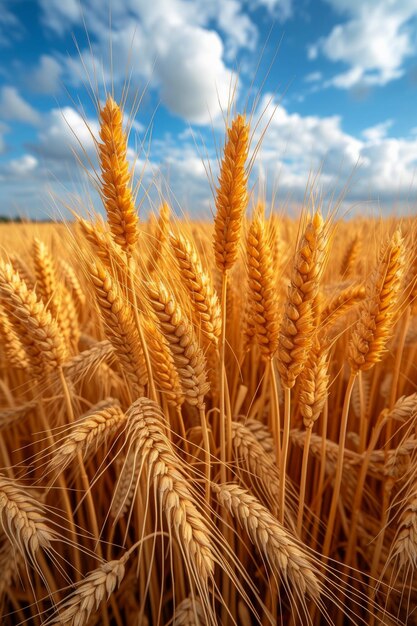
(45, 77)
(64, 132)
(10, 27)
(296, 146)
(377, 133)
(3, 131)
(313, 77)
(21, 167)
(192, 75)
(374, 41)
(240, 31)
(182, 48)
(61, 14)
(13, 107)
(282, 9)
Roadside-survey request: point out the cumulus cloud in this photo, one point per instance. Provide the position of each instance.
(64, 135)
(296, 146)
(378, 132)
(10, 27)
(374, 41)
(313, 77)
(19, 168)
(173, 45)
(3, 130)
(14, 107)
(282, 9)
(45, 77)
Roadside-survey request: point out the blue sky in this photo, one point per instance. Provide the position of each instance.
(334, 80)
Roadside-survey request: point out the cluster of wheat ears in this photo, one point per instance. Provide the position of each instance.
(207, 425)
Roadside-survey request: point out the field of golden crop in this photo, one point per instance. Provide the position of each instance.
(207, 423)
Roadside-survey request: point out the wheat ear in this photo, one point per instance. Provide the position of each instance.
(160, 238)
(198, 284)
(297, 325)
(188, 356)
(46, 282)
(232, 195)
(377, 311)
(259, 464)
(89, 593)
(73, 284)
(88, 433)
(342, 302)
(313, 394)
(22, 269)
(37, 331)
(147, 438)
(190, 612)
(350, 258)
(116, 179)
(262, 286)
(103, 246)
(405, 544)
(81, 365)
(13, 347)
(120, 327)
(287, 559)
(261, 433)
(9, 417)
(23, 519)
(166, 376)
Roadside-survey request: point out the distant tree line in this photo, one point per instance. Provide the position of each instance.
(18, 219)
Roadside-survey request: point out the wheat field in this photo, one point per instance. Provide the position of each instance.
(207, 423)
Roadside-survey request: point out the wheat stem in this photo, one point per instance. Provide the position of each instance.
(303, 479)
(284, 452)
(339, 468)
